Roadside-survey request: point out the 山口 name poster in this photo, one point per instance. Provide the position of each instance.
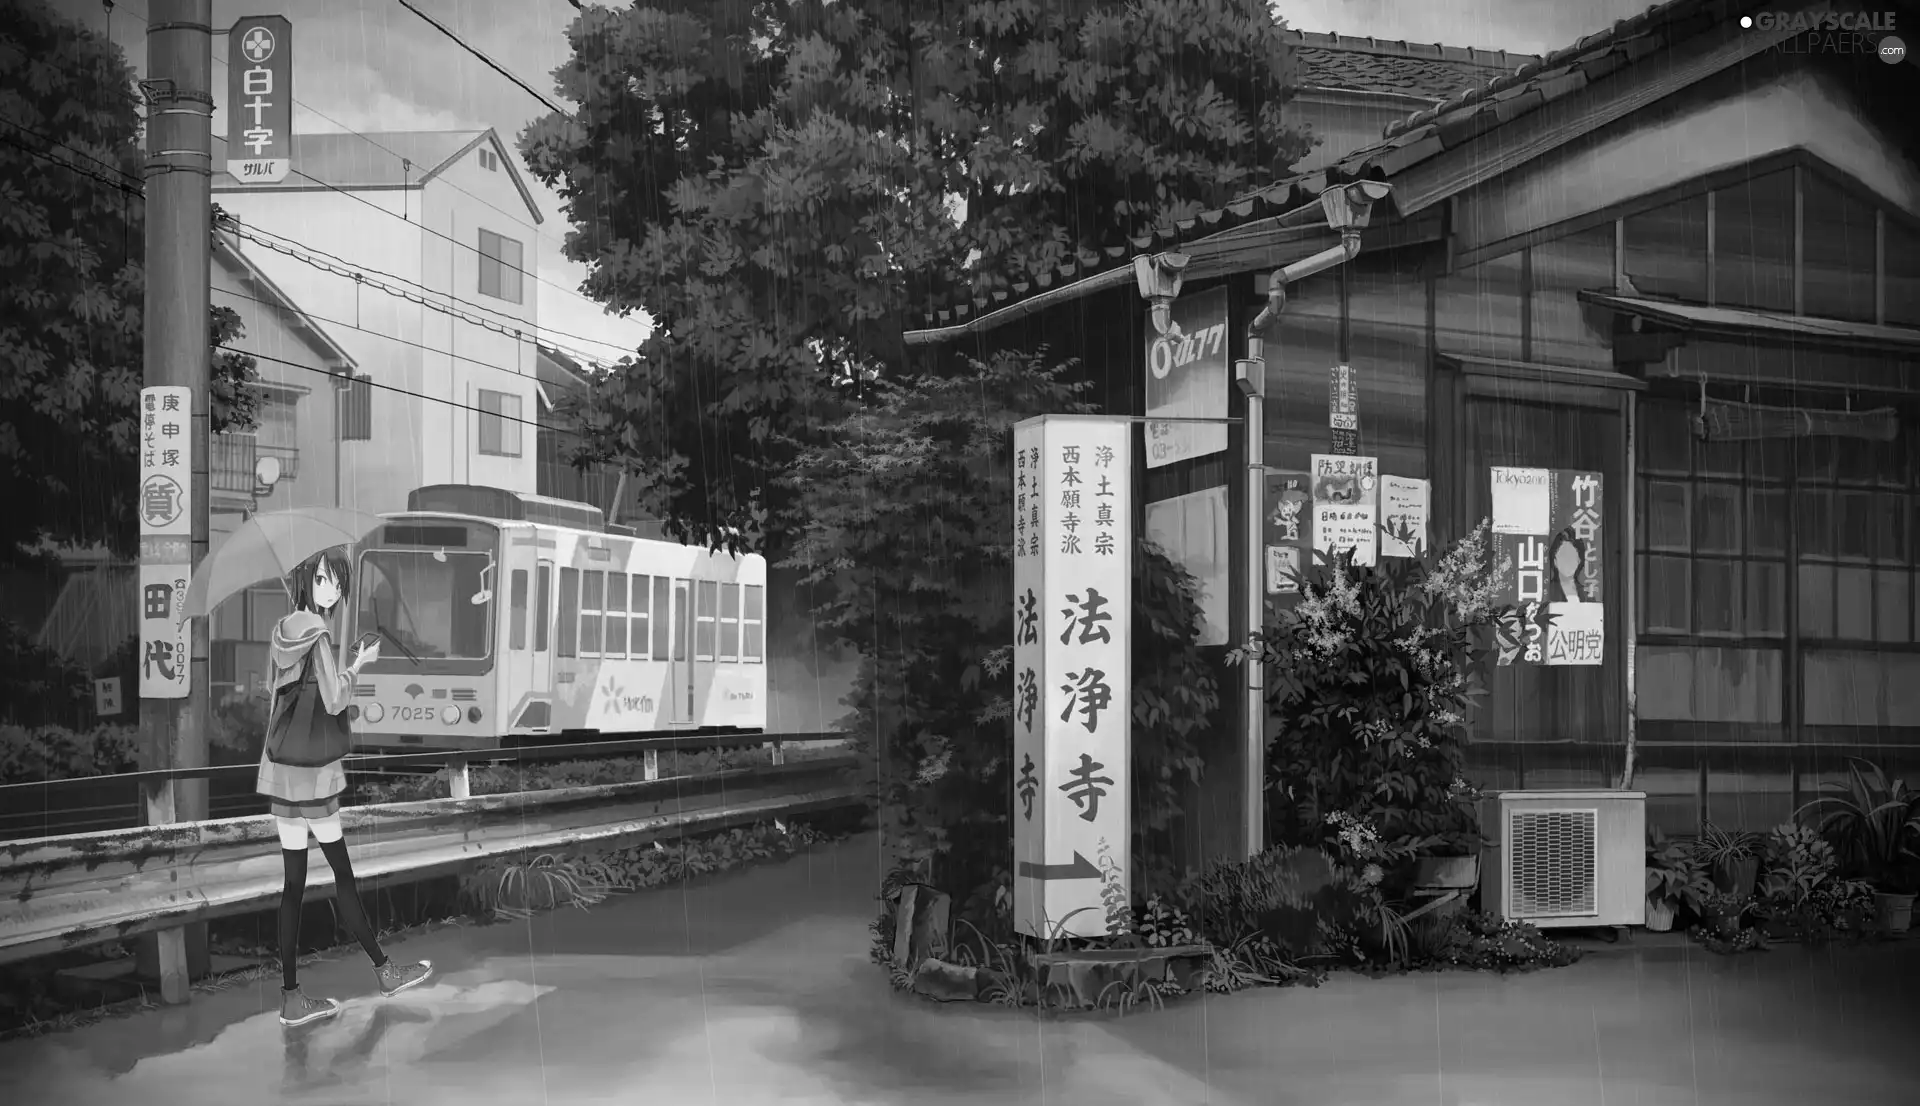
(1547, 540)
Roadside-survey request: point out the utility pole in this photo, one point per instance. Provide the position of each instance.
(179, 215)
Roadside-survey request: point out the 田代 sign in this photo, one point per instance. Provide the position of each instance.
(165, 507)
(260, 99)
(1187, 379)
(1072, 690)
(1547, 531)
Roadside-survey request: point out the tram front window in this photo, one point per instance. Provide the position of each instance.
(422, 602)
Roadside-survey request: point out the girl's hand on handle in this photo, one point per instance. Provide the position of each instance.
(366, 656)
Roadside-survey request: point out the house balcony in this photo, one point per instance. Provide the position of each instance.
(233, 464)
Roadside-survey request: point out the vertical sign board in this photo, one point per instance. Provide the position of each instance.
(1346, 496)
(165, 505)
(1288, 525)
(1343, 409)
(260, 99)
(1073, 606)
(1546, 534)
(1187, 379)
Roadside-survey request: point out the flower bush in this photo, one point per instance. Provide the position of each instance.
(1371, 678)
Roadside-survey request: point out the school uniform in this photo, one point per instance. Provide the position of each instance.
(294, 786)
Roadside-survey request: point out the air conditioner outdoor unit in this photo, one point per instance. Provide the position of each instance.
(1565, 858)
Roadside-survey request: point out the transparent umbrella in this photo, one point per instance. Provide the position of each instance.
(268, 546)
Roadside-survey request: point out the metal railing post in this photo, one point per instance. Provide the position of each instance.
(652, 771)
(459, 778)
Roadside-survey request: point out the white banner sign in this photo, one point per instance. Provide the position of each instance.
(163, 631)
(1404, 504)
(1346, 497)
(1522, 500)
(1073, 606)
(166, 462)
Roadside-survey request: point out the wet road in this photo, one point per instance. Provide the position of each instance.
(755, 988)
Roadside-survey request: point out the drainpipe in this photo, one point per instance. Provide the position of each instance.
(1348, 208)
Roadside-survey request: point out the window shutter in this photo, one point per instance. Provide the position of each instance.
(356, 410)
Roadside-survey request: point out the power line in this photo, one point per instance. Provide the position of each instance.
(72, 168)
(490, 63)
(563, 289)
(355, 327)
(371, 383)
(130, 178)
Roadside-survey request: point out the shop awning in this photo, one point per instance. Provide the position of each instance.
(1741, 323)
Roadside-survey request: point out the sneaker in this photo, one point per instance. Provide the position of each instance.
(395, 978)
(296, 1008)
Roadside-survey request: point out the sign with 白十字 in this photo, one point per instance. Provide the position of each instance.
(1187, 379)
(1346, 499)
(1343, 409)
(260, 99)
(1072, 676)
(165, 507)
(1546, 536)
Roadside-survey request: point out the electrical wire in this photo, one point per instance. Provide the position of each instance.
(490, 63)
(371, 383)
(339, 267)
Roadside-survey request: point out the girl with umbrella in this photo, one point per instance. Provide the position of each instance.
(302, 774)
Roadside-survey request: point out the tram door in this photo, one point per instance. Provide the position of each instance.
(543, 628)
(680, 680)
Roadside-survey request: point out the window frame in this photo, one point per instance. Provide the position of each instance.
(568, 622)
(705, 620)
(614, 613)
(507, 274)
(640, 616)
(492, 416)
(756, 593)
(592, 615)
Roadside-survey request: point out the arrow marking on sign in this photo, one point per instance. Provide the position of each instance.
(1081, 868)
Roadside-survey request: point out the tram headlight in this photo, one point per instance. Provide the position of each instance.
(473, 714)
(450, 714)
(374, 712)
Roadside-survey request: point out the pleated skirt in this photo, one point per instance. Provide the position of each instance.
(298, 791)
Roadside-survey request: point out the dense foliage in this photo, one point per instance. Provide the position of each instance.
(71, 234)
(1371, 677)
(920, 578)
(782, 186)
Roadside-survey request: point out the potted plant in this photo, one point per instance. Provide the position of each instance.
(1674, 880)
(1873, 824)
(1732, 858)
(1723, 910)
(1372, 675)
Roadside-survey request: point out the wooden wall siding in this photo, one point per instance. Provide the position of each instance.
(1709, 683)
(1482, 309)
(1722, 123)
(1565, 331)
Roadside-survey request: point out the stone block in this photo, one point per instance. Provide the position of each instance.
(920, 924)
(944, 982)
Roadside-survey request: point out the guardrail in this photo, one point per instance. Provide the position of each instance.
(89, 804)
(60, 893)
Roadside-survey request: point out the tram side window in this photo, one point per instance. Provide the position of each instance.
(752, 624)
(616, 614)
(707, 601)
(729, 622)
(569, 612)
(662, 616)
(593, 591)
(542, 603)
(641, 587)
(517, 604)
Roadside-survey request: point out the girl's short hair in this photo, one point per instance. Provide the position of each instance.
(300, 580)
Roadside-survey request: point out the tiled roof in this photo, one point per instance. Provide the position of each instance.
(1408, 142)
(1427, 71)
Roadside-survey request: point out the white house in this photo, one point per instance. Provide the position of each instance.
(413, 249)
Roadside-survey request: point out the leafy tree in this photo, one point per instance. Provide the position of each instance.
(782, 185)
(70, 329)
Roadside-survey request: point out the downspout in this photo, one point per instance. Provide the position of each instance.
(1250, 376)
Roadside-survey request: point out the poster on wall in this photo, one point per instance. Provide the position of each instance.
(1289, 521)
(1546, 532)
(1072, 627)
(1346, 498)
(1404, 507)
(1187, 379)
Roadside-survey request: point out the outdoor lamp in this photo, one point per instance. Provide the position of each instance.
(1159, 278)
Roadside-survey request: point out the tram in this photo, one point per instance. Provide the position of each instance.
(508, 619)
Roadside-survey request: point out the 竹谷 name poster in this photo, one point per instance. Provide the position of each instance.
(1072, 694)
(1346, 492)
(1546, 531)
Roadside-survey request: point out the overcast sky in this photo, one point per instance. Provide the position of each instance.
(371, 65)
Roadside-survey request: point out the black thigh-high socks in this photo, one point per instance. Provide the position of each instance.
(292, 898)
(347, 900)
